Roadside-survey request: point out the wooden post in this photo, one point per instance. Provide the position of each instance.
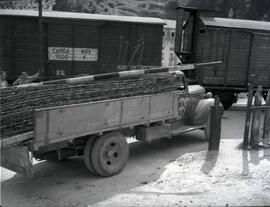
(40, 26)
(256, 119)
(248, 113)
(266, 129)
(215, 125)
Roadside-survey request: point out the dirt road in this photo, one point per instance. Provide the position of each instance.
(69, 184)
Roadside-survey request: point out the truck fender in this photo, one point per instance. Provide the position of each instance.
(202, 111)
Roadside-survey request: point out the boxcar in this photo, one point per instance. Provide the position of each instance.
(242, 46)
(77, 43)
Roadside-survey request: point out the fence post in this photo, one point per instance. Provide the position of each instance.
(248, 113)
(266, 129)
(256, 119)
(215, 125)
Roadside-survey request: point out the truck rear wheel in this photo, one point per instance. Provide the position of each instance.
(87, 154)
(109, 154)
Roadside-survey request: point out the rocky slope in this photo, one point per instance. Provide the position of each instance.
(243, 9)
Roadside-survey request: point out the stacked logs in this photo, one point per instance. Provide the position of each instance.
(18, 104)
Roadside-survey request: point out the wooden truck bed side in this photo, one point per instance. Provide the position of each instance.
(67, 122)
(16, 139)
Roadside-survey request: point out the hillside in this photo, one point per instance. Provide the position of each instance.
(152, 8)
(243, 9)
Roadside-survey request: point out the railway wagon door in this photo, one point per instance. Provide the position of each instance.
(260, 59)
(114, 46)
(232, 47)
(237, 59)
(129, 46)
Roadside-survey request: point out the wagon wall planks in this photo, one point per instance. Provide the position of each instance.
(75, 47)
(19, 50)
(241, 51)
(260, 59)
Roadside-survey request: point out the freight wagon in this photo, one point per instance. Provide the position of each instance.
(242, 46)
(98, 130)
(77, 44)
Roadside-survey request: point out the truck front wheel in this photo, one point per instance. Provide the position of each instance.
(109, 154)
(227, 98)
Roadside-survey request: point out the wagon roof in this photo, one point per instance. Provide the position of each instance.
(82, 16)
(236, 23)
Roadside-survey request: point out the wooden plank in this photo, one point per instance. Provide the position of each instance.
(238, 58)
(16, 139)
(266, 129)
(260, 60)
(260, 108)
(248, 113)
(135, 110)
(161, 106)
(256, 119)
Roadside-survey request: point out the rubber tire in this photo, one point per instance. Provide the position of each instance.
(227, 99)
(88, 153)
(97, 154)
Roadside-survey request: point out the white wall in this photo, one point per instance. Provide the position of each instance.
(168, 56)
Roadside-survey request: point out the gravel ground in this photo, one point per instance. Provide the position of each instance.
(228, 178)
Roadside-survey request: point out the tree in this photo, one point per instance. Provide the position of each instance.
(259, 10)
(26, 4)
(86, 6)
(245, 9)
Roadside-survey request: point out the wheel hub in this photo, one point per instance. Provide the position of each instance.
(112, 154)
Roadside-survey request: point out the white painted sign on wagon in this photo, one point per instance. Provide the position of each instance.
(85, 54)
(73, 54)
(60, 53)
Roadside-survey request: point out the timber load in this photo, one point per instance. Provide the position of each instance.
(19, 103)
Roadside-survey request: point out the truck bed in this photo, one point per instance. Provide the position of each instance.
(56, 124)
(18, 104)
(62, 123)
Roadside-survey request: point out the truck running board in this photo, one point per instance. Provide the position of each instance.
(185, 129)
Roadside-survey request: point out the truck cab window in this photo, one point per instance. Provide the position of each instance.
(181, 83)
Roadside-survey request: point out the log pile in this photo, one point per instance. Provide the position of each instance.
(18, 104)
